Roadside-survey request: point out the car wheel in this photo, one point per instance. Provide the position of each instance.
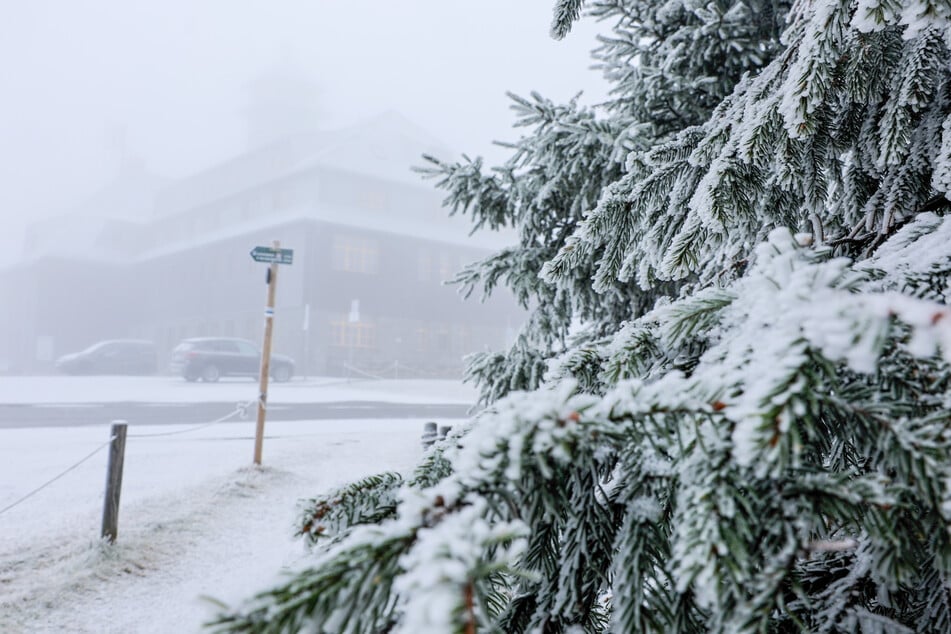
(281, 374)
(191, 378)
(210, 373)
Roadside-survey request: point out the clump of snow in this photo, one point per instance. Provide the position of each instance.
(873, 15)
(437, 587)
(914, 251)
(644, 509)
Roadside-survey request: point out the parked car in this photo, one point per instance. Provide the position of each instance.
(210, 358)
(117, 356)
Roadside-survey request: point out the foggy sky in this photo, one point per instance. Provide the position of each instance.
(164, 80)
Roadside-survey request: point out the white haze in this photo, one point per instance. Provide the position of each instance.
(86, 82)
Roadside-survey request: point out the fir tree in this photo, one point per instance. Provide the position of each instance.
(688, 56)
(751, 432)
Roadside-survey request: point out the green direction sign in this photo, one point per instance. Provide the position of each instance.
(273, 256)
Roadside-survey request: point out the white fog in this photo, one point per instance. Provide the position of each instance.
(135, 134)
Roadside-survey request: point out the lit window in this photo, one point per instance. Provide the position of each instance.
(358, 255)
(349, 334)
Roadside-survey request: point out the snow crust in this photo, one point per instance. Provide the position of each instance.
(197, 521)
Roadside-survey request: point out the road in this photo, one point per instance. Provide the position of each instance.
(73, 414)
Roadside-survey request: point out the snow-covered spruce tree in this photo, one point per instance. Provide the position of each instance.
(689, 57)
(765, 448)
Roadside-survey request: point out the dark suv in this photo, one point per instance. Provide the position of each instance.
(210, 358)
(118, 356)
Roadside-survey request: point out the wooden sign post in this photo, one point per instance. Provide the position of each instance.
(274, 256)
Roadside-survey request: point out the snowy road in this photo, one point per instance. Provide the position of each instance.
(59, 390)
(74, 414)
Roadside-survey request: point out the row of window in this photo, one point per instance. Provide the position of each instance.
(352, 334)
(352, 254)
(362, 255)
(364, 335)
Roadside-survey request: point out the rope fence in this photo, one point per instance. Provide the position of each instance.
(56, 477)
(241, 410)
(395, 370)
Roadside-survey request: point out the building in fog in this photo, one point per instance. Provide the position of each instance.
(372, 247)
(74, 283)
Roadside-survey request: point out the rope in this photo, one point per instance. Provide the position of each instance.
(366, 374)
(426, 373)
(54, 479)
(240, 409)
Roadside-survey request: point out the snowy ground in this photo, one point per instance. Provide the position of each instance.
(167, 389)
(196, 519)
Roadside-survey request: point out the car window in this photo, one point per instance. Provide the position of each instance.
(229, 347)
(247, 348)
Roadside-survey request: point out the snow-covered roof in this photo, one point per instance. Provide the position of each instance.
(385, 147)
(110, 224)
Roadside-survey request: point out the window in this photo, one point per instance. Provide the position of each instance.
(358, 255)
(425, 266)
(463, 339)
(422, 339)
(445, 267)
(246, 348)
(363, 335)
(348, 334)
(443, 338)
(228, 347)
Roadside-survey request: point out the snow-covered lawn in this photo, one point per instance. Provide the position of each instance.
(196, 518)
(167, 389)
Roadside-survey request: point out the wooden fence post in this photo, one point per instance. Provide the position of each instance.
(429, 434)
(110, 509)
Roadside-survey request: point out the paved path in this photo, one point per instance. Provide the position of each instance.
(72, 414)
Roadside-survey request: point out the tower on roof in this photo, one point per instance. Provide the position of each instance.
(282, 102)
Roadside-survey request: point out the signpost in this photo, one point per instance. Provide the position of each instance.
(306, 328)
(353, 318)
(273, 255)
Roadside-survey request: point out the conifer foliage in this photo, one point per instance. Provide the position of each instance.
(729, 410)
